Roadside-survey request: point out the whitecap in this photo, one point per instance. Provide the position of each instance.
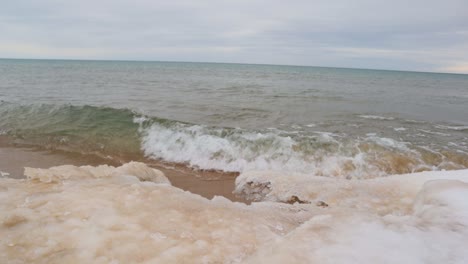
(456, 128)
(376, 117)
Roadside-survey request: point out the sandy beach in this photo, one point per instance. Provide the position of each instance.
(13, 159)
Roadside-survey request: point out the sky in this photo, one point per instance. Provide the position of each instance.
(413, 35)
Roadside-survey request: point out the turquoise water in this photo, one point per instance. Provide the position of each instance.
(236, 117)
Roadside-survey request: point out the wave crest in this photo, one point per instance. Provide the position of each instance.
(126, 135)
(323, 153)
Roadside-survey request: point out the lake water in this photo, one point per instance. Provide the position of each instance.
(234, 117)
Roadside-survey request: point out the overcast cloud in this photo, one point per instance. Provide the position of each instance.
(405, 35)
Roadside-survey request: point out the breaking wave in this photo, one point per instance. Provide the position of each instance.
(320, 153)
(129, 135)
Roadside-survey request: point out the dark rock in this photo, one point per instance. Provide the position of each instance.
(321, 204)
(295, 199)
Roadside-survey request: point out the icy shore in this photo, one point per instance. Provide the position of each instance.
(131, 214)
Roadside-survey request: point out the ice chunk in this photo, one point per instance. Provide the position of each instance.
(96, 216)
(59, 173)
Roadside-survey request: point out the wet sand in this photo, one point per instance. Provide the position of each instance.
(13, 159)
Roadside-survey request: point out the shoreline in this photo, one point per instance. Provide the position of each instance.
(13, 159)
(114, 215)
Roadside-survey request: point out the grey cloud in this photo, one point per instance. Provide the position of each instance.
(364, 33)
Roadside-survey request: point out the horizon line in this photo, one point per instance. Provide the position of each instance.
(237, 63)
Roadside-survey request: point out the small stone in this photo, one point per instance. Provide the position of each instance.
(321, 204)
(294, 199)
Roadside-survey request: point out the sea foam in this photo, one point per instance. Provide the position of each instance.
(109, 215)
(319, 153)
(376, 117)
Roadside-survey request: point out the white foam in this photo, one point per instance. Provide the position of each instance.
(240, 151)
(235, 152)
(434, 132)
(89, 215)
(376, 117)
(140, 119)
(457, 128)
(326, 136)
(389, 143)
(322, 153)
